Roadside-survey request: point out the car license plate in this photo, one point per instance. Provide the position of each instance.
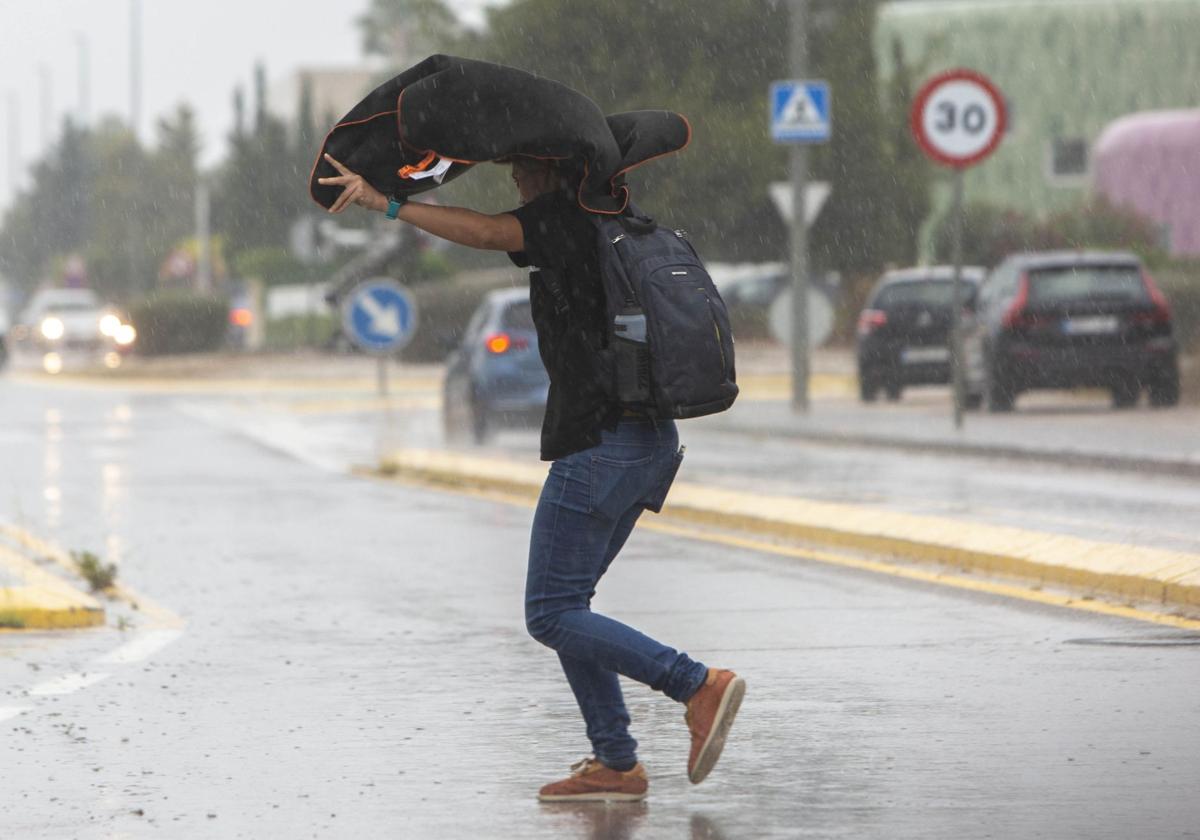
(1099, 325)
(924, 355)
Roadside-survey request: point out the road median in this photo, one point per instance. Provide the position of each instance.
(1169, 578)
(34, 599)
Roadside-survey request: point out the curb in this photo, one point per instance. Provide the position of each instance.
(1165, 577)
(1086, 460)
(43, 601)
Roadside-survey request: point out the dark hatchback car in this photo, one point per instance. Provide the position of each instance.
(1071, 319)
(904, 329)
(495, 377)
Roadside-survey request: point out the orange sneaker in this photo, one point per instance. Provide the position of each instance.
(709, 715)
(591, 781)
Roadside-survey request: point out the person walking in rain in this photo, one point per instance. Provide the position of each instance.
(608, 466)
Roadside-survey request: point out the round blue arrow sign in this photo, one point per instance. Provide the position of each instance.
(379, 316)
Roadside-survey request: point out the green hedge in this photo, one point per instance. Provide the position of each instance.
(179, 322)
(990, 233)
(1180, 282)
(296, 331)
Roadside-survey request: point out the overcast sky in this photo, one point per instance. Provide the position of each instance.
(193, 51)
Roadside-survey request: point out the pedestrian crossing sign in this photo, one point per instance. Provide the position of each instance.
(800, 111)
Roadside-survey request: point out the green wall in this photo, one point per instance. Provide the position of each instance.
(1068, 67)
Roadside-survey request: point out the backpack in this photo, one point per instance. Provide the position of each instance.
(670, 347)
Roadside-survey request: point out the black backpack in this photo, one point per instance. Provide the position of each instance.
(670, 348)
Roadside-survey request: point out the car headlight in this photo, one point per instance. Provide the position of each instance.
(125, 334)
(109, 324)
(53, 329)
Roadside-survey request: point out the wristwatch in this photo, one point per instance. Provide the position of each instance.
(395, 202)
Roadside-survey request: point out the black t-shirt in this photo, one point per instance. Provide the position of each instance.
(560, 238)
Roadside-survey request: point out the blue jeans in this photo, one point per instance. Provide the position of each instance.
(588, 507)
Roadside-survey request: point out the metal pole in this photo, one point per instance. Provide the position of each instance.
(799, 171)
(84, 104)
(135, 65)
(381, 373)
(956, 348)
(46, 94)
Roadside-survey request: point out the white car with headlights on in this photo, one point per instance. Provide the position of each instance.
(60, 328)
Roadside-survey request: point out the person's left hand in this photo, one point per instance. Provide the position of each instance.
(357, 190)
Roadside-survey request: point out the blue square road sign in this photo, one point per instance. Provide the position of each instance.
(800, 111)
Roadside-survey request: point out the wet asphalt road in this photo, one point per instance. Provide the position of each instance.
(354, 664)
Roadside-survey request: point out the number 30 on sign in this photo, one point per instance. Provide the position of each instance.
(958, 118)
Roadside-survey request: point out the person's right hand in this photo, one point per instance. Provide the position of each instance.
(356, 190)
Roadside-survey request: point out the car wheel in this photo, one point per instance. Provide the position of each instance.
(1125, 393)
(456, 413)
(1164, 389)
(1000, 394)
(868, 387)
(481, 429)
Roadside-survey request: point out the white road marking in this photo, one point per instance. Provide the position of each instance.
(7, 712)
(66, 685)
(141, 647)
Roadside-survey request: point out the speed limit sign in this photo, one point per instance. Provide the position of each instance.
(958, 118)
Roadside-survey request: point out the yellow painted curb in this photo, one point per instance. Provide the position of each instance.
(772, 387)
(34, 608)
(156, 615)
(1158, 575)
(42, 601)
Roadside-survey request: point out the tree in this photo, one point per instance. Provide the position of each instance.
(911, 173)
(851, 232)
(101, 195)
(404, 31)
(52, 218)
(717, 188)
(257, 197)
(716, 68)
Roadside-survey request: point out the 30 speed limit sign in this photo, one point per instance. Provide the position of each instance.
(958, 118)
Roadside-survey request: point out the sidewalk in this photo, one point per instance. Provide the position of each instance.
(1077, 429)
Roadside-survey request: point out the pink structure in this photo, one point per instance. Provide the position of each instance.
(1150, 162)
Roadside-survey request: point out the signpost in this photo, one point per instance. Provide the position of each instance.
(379, 316)
(958, 118)
(800, 114)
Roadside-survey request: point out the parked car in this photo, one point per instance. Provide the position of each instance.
(61, 326)
(904, 329)
(495, 377)
(1069, 319)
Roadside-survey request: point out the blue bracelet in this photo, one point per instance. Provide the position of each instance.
(394, 205)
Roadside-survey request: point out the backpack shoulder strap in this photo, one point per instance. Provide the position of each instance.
(632, 220)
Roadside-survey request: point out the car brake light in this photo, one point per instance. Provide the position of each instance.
(1161, 314)
(1014, 317)
(871, 320)
(241, 317)
(500, 343)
